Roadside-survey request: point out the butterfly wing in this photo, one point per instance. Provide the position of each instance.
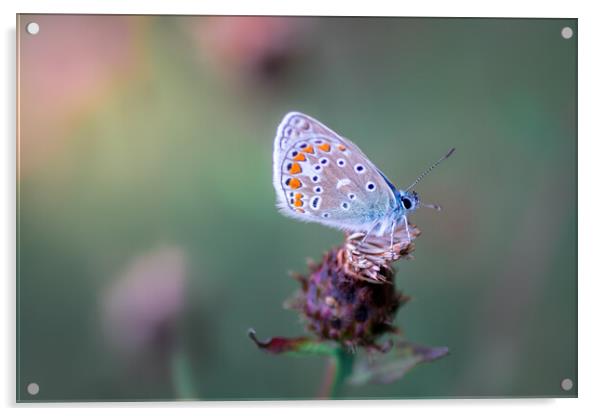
(321, 177)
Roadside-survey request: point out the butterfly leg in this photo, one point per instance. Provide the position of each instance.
(368, 233)
(393, 225)
(405, 220)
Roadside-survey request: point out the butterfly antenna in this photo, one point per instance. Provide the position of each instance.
(426, 172)
(432, 206)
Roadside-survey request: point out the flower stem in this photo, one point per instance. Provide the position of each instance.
(343, 366)
(183, 381)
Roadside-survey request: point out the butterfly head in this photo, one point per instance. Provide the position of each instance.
(408, 201)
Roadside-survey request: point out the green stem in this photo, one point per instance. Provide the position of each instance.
(343, 364)
(182, 378)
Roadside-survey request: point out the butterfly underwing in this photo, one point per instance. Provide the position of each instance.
(319, 176)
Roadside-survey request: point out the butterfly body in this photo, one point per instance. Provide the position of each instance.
(319, 176)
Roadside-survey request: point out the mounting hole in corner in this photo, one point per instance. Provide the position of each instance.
(566, 32)
(33, 388)
(566, 384)
(32, 28)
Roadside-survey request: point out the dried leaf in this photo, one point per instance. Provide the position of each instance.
(297, 346)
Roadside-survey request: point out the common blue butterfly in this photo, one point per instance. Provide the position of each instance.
(322, 177)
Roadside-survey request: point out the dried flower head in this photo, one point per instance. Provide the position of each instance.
(369, 258)
(349, 300)
(350, 296)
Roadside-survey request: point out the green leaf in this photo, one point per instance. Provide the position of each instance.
(395, 364)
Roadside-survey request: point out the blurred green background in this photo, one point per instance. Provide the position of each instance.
(148, 239)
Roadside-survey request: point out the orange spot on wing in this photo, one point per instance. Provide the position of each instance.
(308, 149)
(324, 147)
(295, 168)
(298, 196)
(295, 183)
(298, 203)
(300, 158)
(341, 147)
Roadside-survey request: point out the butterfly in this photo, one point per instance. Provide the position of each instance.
(319, 176)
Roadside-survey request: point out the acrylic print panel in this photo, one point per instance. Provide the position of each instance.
(153, 262)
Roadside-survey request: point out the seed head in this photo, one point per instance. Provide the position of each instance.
(350, 296)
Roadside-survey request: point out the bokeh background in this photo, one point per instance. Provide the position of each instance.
(148, 240)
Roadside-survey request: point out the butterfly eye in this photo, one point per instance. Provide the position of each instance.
(370, 186)
(406, 202)
(359, 168)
